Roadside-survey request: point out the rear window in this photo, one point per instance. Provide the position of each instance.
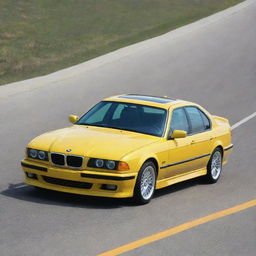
(196, 119)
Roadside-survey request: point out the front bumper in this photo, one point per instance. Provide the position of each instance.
(81, 182)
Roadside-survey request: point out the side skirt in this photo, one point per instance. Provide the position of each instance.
(179, 178)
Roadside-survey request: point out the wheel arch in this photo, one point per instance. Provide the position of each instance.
(209, 178)
(138, 197)
(218, 144)
(220, 147)
(152, 159)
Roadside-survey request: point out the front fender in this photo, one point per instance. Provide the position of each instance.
(138, 158)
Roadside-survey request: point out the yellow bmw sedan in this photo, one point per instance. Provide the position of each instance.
(129, 146)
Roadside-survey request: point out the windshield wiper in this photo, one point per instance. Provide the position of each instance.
(99, 125)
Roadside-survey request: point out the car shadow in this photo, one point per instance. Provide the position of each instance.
(24, 192)
(178, 187)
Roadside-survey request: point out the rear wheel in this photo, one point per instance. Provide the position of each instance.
(145, 184)
(214, 167)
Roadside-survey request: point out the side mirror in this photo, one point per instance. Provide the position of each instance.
(178, 134)
(73, 118)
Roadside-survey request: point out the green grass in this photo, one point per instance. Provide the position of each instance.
(41, 36)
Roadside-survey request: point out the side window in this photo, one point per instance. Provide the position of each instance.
(197, 124)
(179, 121)
(207, 124)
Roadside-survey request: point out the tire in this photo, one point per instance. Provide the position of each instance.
(146, 182)
(214, 166)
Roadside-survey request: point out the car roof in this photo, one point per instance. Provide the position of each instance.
(154, 101)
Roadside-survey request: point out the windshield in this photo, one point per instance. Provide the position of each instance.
(126, 116)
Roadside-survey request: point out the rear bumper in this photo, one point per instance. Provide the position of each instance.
(227, 152)
(81, 182)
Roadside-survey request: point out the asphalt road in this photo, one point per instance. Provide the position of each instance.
(215, 66)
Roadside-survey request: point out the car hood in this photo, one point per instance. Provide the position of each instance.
(96, 142)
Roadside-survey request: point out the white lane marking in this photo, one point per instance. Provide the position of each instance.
(20, 186)
(246, 119)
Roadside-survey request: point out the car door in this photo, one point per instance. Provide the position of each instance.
(201, 136)
(179, 153)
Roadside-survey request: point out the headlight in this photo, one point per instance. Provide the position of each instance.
(37, 154)
(99, 163)
(102, 163)
(41, 155)
(111, 164)
(32, 153)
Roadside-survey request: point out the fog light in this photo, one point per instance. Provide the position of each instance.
(109, 187)
(31, 175)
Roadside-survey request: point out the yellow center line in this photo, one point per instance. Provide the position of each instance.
(177, 229)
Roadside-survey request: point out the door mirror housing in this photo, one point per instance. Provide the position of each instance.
(73, 118)
(178, 134)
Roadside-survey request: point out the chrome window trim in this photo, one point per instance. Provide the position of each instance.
(168, 132)
(189, 122)
(206, 130)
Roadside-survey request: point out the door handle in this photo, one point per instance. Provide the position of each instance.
(198, 141)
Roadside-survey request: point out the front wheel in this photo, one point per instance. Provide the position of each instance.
(146, 183)
(214, 167)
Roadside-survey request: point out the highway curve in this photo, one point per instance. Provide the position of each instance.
(213, 64)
